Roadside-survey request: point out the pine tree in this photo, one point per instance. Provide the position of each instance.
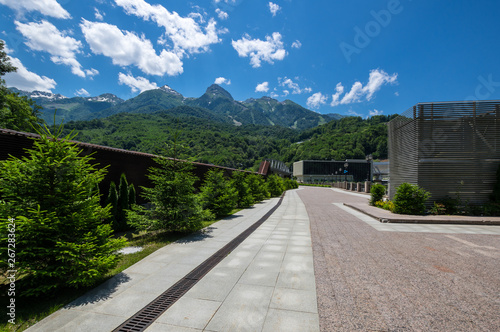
(217, 193)
(131, 195)
(239, 183)
(176, 207)
(112, 200)
(123, 203)
(60, 225)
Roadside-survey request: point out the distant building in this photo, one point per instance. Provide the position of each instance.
(381, 171)
(314, 171)
(450, 149)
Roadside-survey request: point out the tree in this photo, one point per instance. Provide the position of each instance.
(275, 185)
(16, 112)
(123, 203)
(176, 207)
(131, 195)
(112, 201)
(60, 229)
(257, 187)
(217, 193)
(5, 65)
(239, 183)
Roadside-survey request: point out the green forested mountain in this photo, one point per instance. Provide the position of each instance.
(347, 138)
(69, 109)
(207, 137)
(216, 101)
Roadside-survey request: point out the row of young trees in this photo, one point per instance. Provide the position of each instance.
(176, 206)
(52, 219)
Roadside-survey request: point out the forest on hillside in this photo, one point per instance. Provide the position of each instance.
(243, 147)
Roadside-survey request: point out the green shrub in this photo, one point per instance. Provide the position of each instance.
(377, 192)
(217, 193)
(61, 237)
(410, 199)
(290, 184)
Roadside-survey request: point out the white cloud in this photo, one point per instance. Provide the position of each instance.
(286, 93)
(126, 49)
(296, 44)
(136, 83)
(44, 36)
(185, 34)
(316, 100)
(286, 82)
(375, 112)
(376, 79)
(262, 87)
(91, 72)
(274, 8)
(82, 92)
(260, 50)
(46, 7)
(339, 89)
(222, 14)
(274, 95)
(98, 15)
(24, 79)
(396, 94)
(353, 113)
(222, 80)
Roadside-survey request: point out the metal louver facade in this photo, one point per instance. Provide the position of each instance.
(450, 149)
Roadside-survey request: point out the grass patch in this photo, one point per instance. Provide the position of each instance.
(30, 310)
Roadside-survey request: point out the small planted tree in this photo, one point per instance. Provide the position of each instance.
(61, 237)
(275, 185)
(257, 186)
(410, 199)
(112, 201)
(175, 205)
(239, 183)
(217, 193)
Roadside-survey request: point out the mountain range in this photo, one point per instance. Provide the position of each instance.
(216, 104)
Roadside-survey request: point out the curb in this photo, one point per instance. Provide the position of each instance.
(449, 221)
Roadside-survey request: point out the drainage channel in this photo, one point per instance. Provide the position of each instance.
(147, 315)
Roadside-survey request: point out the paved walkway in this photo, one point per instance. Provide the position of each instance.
(400, 277)
(266, 284)
(365, 275)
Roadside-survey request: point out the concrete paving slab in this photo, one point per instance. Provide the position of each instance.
(295, 300)
(290, 321)
(160, 327)
(245, 309)
(190, 312)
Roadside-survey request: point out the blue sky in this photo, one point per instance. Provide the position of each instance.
(359, 57)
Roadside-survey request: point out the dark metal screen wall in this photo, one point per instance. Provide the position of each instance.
(450, 149)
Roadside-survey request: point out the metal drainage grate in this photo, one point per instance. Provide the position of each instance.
(147, 315)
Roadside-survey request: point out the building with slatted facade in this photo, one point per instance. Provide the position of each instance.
(452, 149)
